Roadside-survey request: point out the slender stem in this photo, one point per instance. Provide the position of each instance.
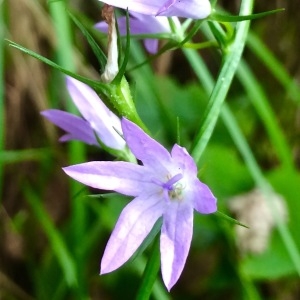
(150, 273)
(229, 67)
(205, 77)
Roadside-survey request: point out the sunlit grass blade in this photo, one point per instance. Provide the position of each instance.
(16, 156)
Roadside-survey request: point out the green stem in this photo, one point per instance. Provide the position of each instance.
(228, 70)
(150, 273)
(207, 81)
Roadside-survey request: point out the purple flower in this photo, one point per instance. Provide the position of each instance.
(195, 9)
(141, 24)
(166, 186)
(97, 118)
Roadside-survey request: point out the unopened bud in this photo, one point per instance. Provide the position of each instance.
(111, 68)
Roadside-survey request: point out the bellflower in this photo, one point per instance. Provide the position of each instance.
(166, 186)
(141, 24)
(97, 118)
(195, 9)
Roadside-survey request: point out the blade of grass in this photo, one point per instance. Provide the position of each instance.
(15, 156)
(56, 241)
(2, 108)
(76, 153)
(259, 100)
(274, 65)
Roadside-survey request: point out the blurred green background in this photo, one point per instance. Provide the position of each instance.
(53, 234)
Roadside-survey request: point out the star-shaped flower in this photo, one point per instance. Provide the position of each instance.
(97, 118)
(195, 9)
(166, 186)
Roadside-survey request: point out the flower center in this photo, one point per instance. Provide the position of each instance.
(172, 189)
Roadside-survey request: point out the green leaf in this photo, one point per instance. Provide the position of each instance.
(229, 219)
(98, 86)
(229, 18)
(94, 45)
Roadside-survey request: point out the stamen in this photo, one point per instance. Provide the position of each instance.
(169, 184)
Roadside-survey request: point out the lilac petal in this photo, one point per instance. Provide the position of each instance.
(146, 149)
(181, 156)
(134, 224)
(196, 9)
(203, 199)
(151, 45)
(123, 177)
(175, 240)
(148, 7)
(139, 24)
(101, 119)
(76, 128)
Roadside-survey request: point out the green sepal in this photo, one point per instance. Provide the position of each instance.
(229, 219)
(122, 101)
(229, 18)
(100, 55)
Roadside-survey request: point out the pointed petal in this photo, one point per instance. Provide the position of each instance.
(101, 119)
(76, 127)
(175, 240)
(146, 149)
(151, 45)
(203, 199)
(149, 7)
(139, 24)
(195, 9)
(123, 177)
(134, 224)
(181, 156)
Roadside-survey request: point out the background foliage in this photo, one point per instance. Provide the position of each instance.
(53, 234)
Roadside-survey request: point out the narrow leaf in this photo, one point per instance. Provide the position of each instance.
(229, 219)
(228, 18)
(101, 57)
